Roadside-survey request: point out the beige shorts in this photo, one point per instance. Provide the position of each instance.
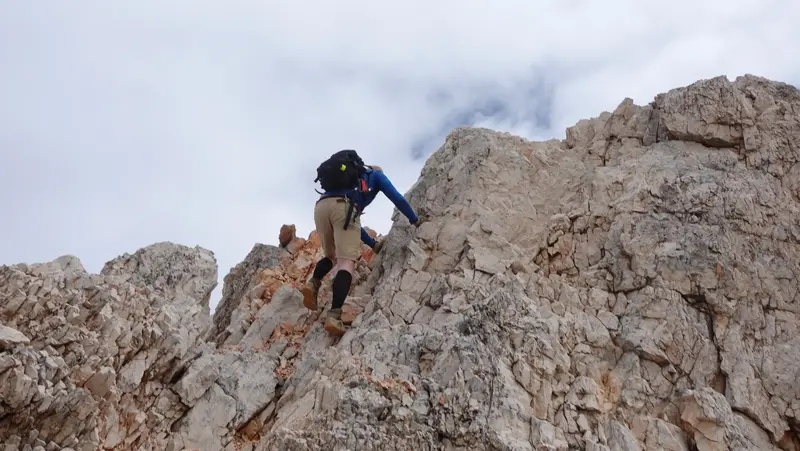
(329, 215)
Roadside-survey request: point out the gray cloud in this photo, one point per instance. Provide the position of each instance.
(202, 122)
(526, 102)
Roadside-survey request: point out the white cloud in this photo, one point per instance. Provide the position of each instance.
(202, 122)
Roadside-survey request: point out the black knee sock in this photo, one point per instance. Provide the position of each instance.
(323, 267)
(341, 286)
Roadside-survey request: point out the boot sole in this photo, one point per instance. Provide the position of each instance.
(308, 299)
(334, 330)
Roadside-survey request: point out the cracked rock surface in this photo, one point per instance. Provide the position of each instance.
(632, 287)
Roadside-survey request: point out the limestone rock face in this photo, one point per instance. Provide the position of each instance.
(120, 360)
(92, 356)
(632, 287)
(236, 285)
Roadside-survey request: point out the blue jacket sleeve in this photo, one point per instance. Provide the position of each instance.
(368, 240)
(385, 186)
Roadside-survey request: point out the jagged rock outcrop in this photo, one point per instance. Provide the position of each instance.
(632, 287)
(120, 360)
(235, 301)
(99, 351)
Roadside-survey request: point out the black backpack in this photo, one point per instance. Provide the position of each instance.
(341, 171)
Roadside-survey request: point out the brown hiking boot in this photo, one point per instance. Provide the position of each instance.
(310, 292)
(334, 324)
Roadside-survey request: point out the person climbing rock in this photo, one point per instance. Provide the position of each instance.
(349, 187)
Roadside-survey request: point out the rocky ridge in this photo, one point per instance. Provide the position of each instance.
(120, 359)
(632, 287)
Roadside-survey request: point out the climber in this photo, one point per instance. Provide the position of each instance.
(349, 186)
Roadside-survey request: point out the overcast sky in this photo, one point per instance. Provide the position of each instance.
(202, 122)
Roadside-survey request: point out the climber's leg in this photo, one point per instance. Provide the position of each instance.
(341, 287)
(348, 242)
(311, 289)
(348, 250)
(322, 221)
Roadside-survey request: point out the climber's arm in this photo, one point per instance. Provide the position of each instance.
(368, 240)
(383, 184)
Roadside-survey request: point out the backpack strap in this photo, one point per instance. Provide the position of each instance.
(362, 188)
(349, 216)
